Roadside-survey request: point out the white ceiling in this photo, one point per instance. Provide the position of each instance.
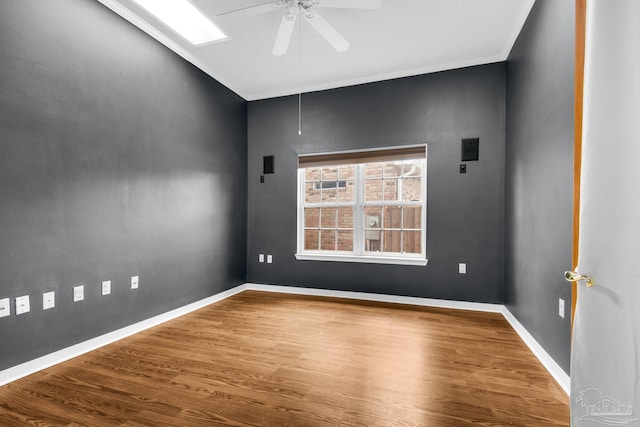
(402, 38)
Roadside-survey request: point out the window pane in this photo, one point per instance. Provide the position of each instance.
(412, 217)
(329, 195)
(328, 240)
(347, 172)
(372, 228)
(311, 240)
(392, 169)
(345, 217)
(372, 217)
(345, 240)
(311, 217)
(345, 194)
(310, 194)
(330, 173)
(373, 190)
(373, 245)
(329, 185)
(312, 174)
(392, 217)
(412, 168)
(391, 189)
(391, 241)
(373, 170)
(393, 229)
(411, 242)
(328, 217)
(412, 189)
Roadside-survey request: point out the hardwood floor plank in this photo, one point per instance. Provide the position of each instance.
(263, 359)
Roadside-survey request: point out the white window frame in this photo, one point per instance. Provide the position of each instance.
(359, 254)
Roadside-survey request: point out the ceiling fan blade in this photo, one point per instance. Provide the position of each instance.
(251, 11)
(283, 38)
(350, 4)
(325, 29)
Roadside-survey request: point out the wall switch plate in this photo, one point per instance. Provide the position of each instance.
(78, 293)
(134, 282)
(106, 287)
(463, 168)
(5, 307)
(462, 268)
(22, 304)
(269, 259)
(261, 258)
(561, 307)
(48, 300)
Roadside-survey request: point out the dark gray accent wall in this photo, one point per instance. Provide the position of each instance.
(465, 213)
(539, 174)
(117, 158)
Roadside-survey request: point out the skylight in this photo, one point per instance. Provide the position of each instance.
(185, 19)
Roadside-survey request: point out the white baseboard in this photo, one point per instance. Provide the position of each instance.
(547, 361)
(35, 365)
(19, 371)
(426, 302)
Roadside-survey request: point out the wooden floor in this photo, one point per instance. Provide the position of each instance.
(263, 359)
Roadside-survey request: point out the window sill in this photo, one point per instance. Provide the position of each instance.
(370, 259)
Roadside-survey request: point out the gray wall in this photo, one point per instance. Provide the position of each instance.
(539, 174)
(465, 214)
(117, 158)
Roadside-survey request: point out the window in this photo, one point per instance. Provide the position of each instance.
(364, 206)
(321, 185)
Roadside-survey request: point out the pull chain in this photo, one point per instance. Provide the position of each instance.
(299, 113)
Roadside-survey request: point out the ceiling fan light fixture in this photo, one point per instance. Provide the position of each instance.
(185, 19)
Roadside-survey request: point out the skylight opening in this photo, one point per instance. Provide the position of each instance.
(185, 19)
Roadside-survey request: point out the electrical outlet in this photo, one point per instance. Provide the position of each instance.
(48, 300)
(78, 293)
(22, 304)
(5, 307)
(134, 282)
(261, 258)
(561, 307)
(269, 259)
(462, 268)
(106, 287)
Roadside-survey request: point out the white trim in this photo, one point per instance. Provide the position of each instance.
(20, 371)
(148, 28)
(365, 296)
(255, 96)
(370, 259)
(547, 361)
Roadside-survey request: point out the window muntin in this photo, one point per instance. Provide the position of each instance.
(365, 209)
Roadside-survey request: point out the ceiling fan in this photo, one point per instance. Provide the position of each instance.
(293, 8)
